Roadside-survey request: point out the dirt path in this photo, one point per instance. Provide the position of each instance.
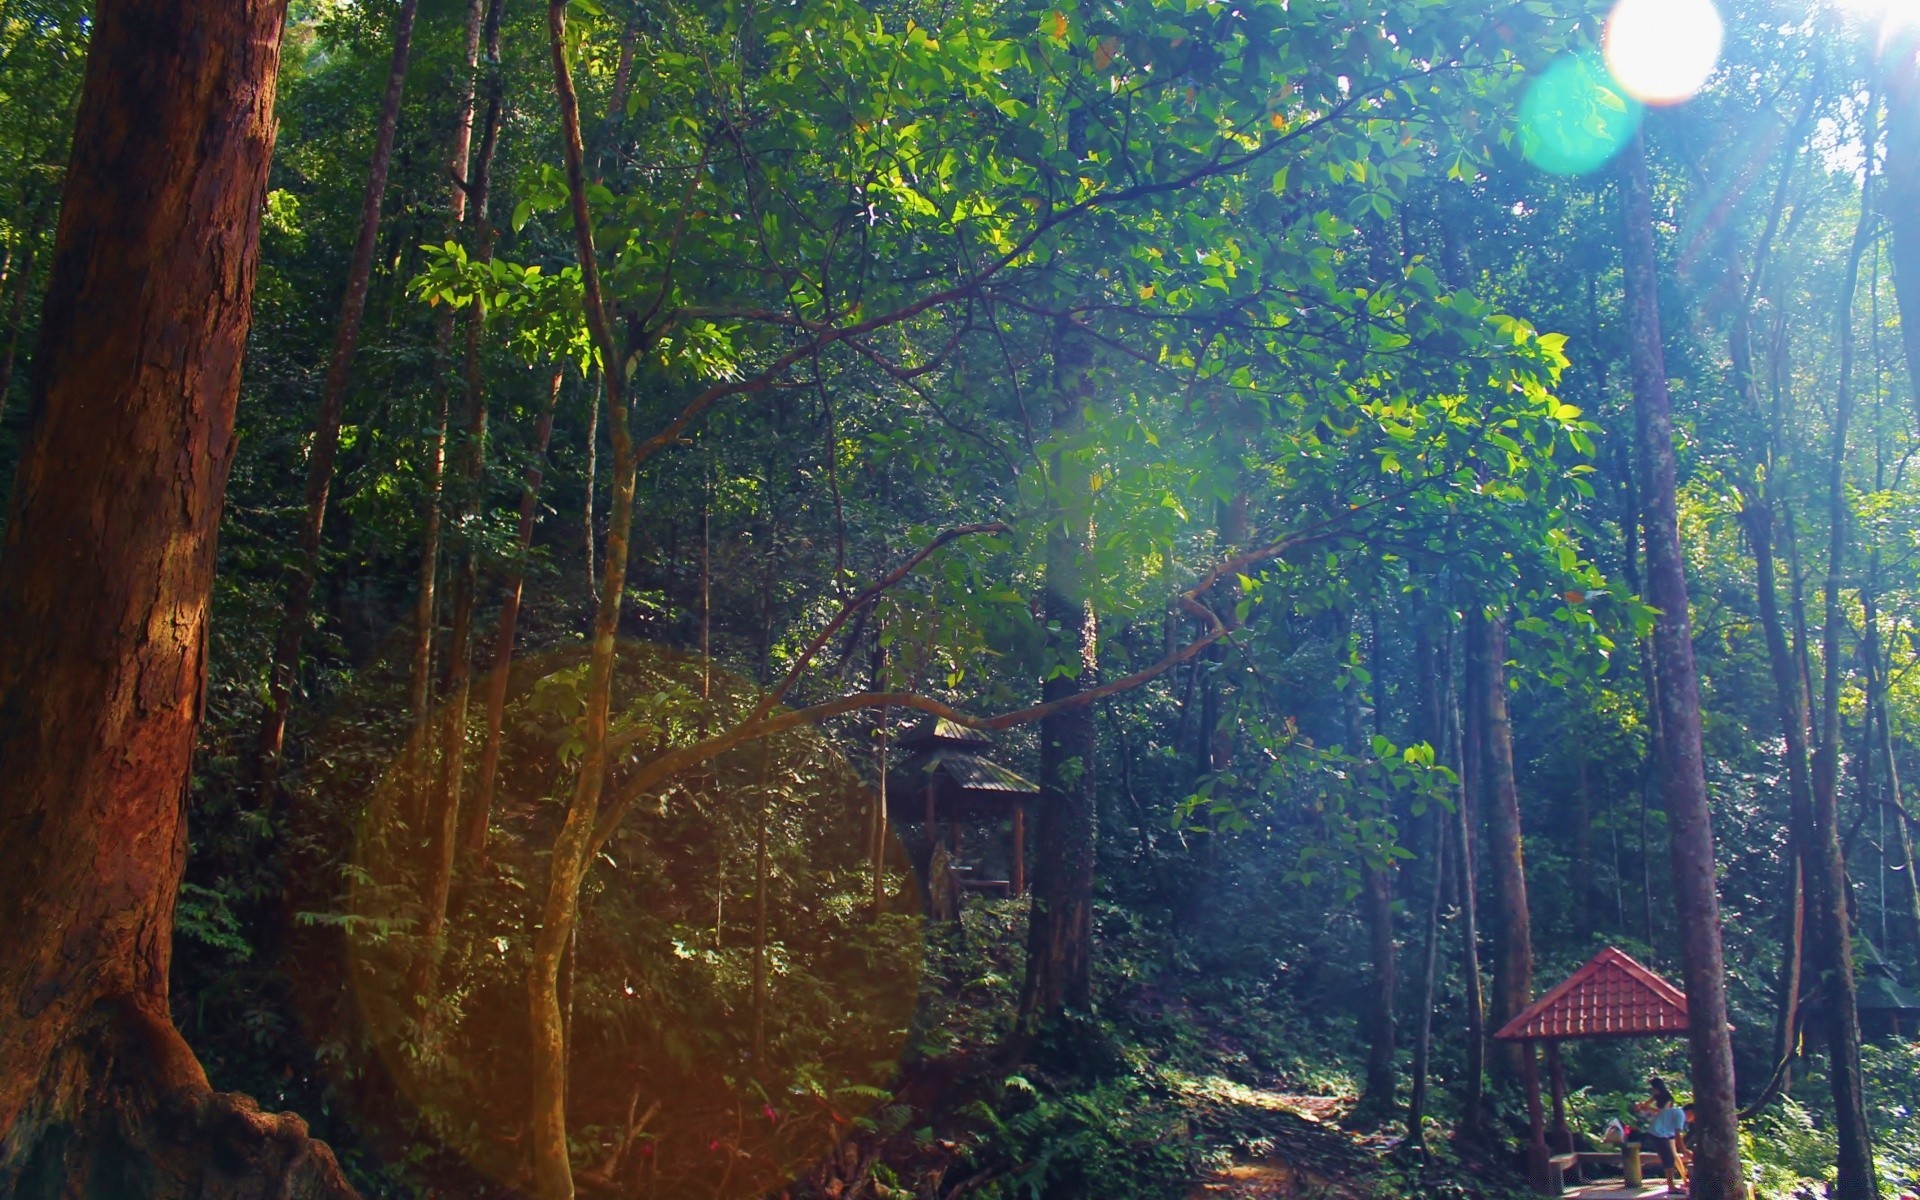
(1296, 1147)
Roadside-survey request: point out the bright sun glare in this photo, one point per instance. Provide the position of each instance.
(1662, 51)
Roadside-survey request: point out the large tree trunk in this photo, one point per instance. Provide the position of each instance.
(305, 568)
(1855, 1177)
(546, 1050)
(1513, 958)
(1060, 930)
(102, 654)
(1696, 903)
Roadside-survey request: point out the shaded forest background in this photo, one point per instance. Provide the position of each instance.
(1275, 373)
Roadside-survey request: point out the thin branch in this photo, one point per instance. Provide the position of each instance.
(860, 602)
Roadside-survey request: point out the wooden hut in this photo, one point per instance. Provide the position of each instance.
(1612, 996)
(947, 780)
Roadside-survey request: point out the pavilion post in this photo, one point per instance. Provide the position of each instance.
(1557, 1080)
(1537, 1154)
(1019, 872)
(933, 822)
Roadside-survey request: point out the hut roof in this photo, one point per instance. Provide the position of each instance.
(938, 731)
(1611, 996)
(1879, 988)
(970, 772)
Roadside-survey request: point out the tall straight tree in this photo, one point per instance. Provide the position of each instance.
(552, 1168)
(1832, 926)
(475, 824)
(305, 568)
(1059, 972)
(1506, 846)
(426, 605)
(1696, 900)
(443, 808)
(103, 653)
(1902, 186)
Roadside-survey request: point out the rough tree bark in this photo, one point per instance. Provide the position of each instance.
(305, 568)
(1696, 902)
(102, 654)
(1060, 930)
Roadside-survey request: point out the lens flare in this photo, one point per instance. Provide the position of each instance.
(1574, 118)
(1892, 15)
(1663, 51)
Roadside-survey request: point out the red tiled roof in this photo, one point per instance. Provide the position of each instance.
(1612, 996)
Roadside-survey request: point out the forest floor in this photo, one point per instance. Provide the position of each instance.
(1309, 1155)
(1296, 1146)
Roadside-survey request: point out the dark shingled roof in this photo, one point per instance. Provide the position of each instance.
(1879, 988)
(1612, 996)
(972, 772)
(938, 731)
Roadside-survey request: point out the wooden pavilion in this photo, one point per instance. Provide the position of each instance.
(947, 781)
(1612, 996)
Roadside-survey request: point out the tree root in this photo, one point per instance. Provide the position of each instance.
(124, 1109)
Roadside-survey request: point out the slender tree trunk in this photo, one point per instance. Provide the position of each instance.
(1902, 207)
(1856, 1178)
(1468, 752)
(1376, 907)
(426, 606)
(552, 1171)
(1696, 903)
(1513, 962)
(480, 813)
(593, 472)
(1791, 705)
(1433, 730)
(761, 876)
(103, 654)
(1902, 213)
(305, 568)
(22, 279)
(1060, 930)
(877, 846)
(442, 823)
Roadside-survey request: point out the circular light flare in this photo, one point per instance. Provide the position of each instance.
(1662, 51)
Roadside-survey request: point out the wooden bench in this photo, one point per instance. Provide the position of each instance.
(1560, 1166)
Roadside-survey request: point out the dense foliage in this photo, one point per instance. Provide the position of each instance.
(1285, 343)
